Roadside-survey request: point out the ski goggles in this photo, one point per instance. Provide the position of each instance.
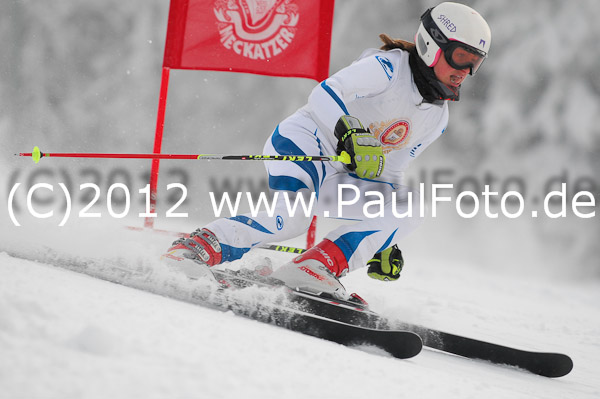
(460, 56)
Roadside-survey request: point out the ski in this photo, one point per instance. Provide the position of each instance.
(398, 343)
(546, 364)
(355, 313)
(311, 315)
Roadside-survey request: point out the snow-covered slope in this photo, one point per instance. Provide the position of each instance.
(68, 335)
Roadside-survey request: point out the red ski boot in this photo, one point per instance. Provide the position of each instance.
(202, 247)
(316, 271)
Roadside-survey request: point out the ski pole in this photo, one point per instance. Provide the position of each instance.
(37, 155)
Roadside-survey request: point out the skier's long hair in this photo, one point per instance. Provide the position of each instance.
(390, 44)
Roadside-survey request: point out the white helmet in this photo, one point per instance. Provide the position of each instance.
(451, 26)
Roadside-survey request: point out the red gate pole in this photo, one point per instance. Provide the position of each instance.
(158, 137)
(311, 234)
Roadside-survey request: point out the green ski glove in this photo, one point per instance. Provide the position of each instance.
(366, 153)
(386, 265)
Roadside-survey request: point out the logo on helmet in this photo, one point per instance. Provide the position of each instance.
(256, 29)
(438, 36)
(445, 21)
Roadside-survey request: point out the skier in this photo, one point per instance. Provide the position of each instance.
(383, 110)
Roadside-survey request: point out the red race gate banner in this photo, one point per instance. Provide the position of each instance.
(267, 37)
(290, 38)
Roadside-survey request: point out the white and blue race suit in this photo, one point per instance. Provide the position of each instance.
(379, 90)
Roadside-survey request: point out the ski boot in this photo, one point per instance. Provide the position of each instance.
(196, 254)
(316, 271)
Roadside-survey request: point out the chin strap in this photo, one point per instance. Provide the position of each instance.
(432, 90)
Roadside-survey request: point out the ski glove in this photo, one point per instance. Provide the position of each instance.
(386, 265)
(366, 153)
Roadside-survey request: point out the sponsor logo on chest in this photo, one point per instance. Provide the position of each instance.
(393, 134)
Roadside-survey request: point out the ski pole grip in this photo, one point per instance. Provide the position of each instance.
(344, 157)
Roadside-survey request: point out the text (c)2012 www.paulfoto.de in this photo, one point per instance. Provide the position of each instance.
(428, 201)
(467, 204)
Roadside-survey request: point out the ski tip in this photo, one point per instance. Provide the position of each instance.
(551, 365)
(400, 344)
(415, 348)
(558, 366)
